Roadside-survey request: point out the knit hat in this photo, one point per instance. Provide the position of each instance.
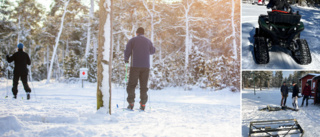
(20, 46)
(140, 30)
(293, 82)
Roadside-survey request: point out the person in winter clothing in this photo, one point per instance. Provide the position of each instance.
(279, 5)
(139, 49)
(21, 60)
(295, 92)
(284, 94)
(306, 93)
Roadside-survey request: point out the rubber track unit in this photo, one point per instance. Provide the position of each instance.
(261, 52)
(302, 55)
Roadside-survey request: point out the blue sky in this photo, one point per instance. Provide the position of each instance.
(284, 73)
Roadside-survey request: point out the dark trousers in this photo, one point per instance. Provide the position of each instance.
(24, 79)
(305, 98)
(141, 74)
(284, 100)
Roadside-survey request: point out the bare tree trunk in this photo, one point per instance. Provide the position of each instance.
(57, 40)
(104, 63)
(89, 29)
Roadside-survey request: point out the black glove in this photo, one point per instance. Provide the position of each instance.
(7, 56)
(126, 61)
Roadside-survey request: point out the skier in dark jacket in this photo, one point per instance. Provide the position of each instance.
(139, 49)
(284, 94)
(279, 5)
(21, 60)
(295, 92)
(306, 93)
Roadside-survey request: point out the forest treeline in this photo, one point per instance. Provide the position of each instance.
(197, 41)
(270, 79)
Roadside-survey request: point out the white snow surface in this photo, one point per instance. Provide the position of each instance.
(307, 117)
(279, 59)
(61, 109)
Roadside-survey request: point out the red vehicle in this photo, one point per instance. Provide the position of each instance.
(261, 2)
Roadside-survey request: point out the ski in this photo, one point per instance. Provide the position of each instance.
(140, 110)
(127, 109)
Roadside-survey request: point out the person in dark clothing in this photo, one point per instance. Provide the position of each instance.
(279, 5)
(139, 49)
(21, 60)
(284, 94)
(306, 93)
(295, 92)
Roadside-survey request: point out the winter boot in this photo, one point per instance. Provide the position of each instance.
(130, 106)
(28, 95)
(15, 96)
(142, 106)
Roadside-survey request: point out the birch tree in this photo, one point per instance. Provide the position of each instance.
(187, 20)
(89, 29)
(152, 12)
(66, 3)
(104, 56)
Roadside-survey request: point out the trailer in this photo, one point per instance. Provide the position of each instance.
(275, 128)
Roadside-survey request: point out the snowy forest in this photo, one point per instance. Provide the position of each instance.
(197, 41)
(269, 79)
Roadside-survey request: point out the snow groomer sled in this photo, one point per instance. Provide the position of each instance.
(282, 29)
(275, 128)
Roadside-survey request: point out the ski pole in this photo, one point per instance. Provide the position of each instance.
(34, 92)
(126, 80)
(7, 84)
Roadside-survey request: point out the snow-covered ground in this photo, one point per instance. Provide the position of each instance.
(60, 109)
(308, 117)
(279, 59)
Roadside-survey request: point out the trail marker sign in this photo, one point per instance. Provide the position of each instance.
(83, 73)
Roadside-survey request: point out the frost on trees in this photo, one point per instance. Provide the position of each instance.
(105, 56)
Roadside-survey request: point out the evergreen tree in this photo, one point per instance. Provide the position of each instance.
(71, 66)
(92, 67)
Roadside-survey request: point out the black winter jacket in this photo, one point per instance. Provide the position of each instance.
(295, 91)
(21, 60)
(278, 5)
(284, 90)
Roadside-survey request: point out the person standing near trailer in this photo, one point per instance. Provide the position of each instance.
(21, 60)
(295, 92)
(284, 94)
(306, 93)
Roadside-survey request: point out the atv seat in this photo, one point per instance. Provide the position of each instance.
(283, 17)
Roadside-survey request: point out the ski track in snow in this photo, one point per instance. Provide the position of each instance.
(60, 109)
(279, 59)
(307, 117)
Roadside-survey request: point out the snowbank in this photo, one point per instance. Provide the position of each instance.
(59, 109)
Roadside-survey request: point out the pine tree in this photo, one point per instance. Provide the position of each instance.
(71, 67)
(92, 66)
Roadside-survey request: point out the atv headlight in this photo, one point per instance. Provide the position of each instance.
(270, 27)
(295, 28)
(283, 29)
